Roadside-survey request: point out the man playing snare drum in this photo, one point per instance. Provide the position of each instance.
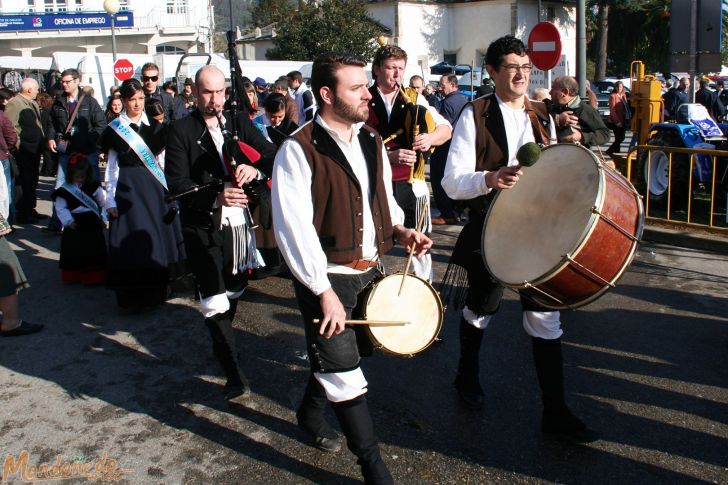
(334, 216)
(482, 160)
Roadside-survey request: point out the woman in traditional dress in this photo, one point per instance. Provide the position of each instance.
(144, 245)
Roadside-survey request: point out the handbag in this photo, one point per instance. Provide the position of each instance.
(62, 142)
(627, 111)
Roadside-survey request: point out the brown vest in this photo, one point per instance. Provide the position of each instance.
(337, 196)
(491, 144)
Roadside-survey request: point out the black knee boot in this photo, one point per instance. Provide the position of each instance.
(310, 417)
(467, 380)
(225, 350)
(356, 423)
(557, 419)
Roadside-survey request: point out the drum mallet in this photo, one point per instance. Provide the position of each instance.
(528, 154)
(376, 323)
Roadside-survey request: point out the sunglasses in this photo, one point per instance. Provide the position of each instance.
(150, 78)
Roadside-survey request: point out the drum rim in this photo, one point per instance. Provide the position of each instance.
(441, 318)
(580, 241)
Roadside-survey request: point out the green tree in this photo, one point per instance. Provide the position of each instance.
(327, 25)
(266, 12)
(634, 30)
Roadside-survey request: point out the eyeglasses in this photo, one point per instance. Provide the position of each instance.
(513, 68)
(150, 78)
(68, 81)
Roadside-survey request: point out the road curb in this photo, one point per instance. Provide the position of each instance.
(675, 237)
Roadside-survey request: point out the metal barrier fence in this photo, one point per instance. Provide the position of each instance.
(683, 186)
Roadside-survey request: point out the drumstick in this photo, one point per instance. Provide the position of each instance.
(375, 323)
(412, 250)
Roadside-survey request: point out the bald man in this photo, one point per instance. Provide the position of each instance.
(220, 245)
(24, 113)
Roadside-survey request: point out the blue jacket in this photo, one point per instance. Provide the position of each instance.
(452, 105)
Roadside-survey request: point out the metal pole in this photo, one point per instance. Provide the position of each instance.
(581, 47)
(113, 44)
(693, 48)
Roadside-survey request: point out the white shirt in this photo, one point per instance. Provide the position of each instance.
(293, 209)
(66, 216)
(461, 181)
(111, 177)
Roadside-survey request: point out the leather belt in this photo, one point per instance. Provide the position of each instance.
(362, 264)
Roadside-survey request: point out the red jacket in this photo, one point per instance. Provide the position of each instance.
(8, 136)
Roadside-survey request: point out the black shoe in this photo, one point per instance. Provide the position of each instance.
(52, 230)
(25, 219)
(562, 424)
(472, 398)
(329, 445)
(38, 215)
(236, 393)
(24, 328)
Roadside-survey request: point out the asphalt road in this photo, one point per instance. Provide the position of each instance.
(646, 366)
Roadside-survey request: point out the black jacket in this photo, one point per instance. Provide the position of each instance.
(192, 159)
(90, 122)
(170, 113)
(593, 130)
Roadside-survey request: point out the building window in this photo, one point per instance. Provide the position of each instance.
(450, 58)
(31, 6)
(55, 5)
(123, 5)
(550, 13)
(176, 6)
(74, 5)
(170, 49)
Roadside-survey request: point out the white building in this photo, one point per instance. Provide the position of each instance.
(38, 28)
(457, 32)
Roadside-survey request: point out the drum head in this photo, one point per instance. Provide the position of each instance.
(546, 215)
(418, 303)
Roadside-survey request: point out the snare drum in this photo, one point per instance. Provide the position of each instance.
(418, 303)
(566, 232)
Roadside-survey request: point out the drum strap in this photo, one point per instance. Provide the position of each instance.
(539, 124)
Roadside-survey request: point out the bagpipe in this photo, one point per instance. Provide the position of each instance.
(236, 152)
(417, 121)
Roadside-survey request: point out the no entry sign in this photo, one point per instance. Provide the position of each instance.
(544, 42)
(123, 69)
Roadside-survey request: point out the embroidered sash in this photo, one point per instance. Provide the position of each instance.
(83, 197)
(136, 143)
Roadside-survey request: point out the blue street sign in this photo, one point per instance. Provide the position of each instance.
(63, 21)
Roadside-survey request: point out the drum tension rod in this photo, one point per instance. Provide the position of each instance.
(547, 295)
(611, 222)
(588, 271)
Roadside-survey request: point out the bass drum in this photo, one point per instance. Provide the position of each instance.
(566, 232)
(418, 303)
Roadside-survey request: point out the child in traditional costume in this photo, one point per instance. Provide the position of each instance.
(78, 203)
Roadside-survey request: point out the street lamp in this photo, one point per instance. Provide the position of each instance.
(112, 7)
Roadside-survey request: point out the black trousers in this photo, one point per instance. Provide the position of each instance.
(406, 200)
(209, 253)
(619, 133)
(447, 207)
(29, 167)
(342, 352)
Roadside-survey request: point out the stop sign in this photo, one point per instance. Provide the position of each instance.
(544, 42)
(123, 69)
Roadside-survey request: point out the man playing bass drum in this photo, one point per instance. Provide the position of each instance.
(389, 111)
(481, 161)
